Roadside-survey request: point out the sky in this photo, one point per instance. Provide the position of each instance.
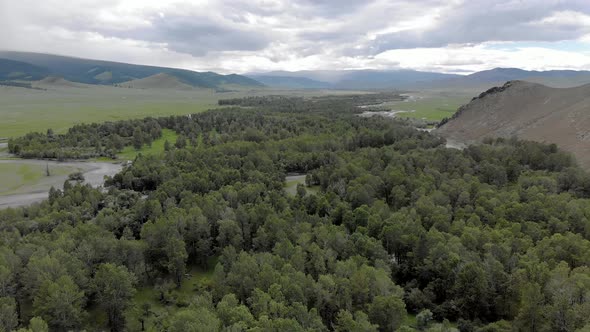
(450, 36)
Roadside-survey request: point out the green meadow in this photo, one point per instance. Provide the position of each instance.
(157, 146)
(25, 110)
(430, 105)
(59, 108)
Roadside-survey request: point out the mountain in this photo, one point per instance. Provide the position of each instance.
(412, 79)
(290, 82)
(157, 81)
(107, 72)
(528, 111)
(497, 76)
(356, 79)
(17, 70)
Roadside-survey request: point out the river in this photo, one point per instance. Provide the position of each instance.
(94, 173)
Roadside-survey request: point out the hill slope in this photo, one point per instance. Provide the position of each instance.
(107, 72)
(529, 111)
(158, 81)
(17, 70)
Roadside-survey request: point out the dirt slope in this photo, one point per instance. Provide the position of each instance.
(158, 81)
(529, 111)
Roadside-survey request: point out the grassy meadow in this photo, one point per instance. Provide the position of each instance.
(430, 105)
(25, 110)
(157, 146)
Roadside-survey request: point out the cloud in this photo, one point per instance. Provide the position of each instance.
(484, 21)
(257, 35)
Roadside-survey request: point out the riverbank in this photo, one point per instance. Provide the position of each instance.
(27, 181)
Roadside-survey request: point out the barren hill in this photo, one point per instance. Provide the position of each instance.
(529, 111)
(55, 81)
(157, 81)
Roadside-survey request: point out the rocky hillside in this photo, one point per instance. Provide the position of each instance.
(528, 111)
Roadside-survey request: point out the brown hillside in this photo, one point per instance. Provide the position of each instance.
(528, 111)
(56, 82)
(158, 81)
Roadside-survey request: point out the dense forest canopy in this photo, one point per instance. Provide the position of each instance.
(391, 231)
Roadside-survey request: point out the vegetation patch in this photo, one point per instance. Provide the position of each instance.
(155, 147)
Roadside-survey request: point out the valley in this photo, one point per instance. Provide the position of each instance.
(142, 198)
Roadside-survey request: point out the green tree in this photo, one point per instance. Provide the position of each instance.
(388, 312)
(346, 322)
(423, 318)
(194, 320)
(60, 303)
(114, 286)
(531, 315)
(8, 316)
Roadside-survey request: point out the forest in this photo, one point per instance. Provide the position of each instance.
(400, 233)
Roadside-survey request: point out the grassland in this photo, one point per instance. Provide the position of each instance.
(430, 105)
(25, 110)
(157, 146)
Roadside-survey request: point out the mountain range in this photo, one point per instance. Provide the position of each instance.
(24, 66)
(36, 66)
(411, 79)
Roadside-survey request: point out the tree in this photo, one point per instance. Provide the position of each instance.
(423, 318)
(346, 322)
(8, 317)
(388, 312)
(233, 314)
(60, 303)
(531, 316)
(166, 249)
(36, 324)
(471, 289)
(137, 138)
(194, 320)
(114, 290)
(180, 142)
(76, 176)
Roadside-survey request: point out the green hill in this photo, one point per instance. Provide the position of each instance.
(35, 66)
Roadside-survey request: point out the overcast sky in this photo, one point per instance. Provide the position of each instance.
(450, 36)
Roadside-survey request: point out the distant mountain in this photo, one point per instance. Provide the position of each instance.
(497, 76)
(290, 82)
(89, 71)
(412, 79)
(528, 111)
(353, 79)
(17, 70)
